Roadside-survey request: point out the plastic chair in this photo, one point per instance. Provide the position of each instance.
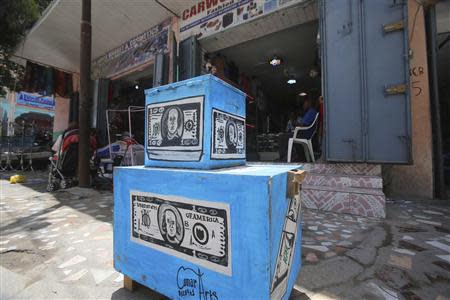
(306, 143)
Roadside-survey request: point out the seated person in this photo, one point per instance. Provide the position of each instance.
(290, 126)
(294, 120)
(308, 119)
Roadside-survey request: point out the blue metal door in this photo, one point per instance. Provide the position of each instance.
(365, 80)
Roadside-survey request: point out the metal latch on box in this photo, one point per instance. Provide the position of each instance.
(294, 180)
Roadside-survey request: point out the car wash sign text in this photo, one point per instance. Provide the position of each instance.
(212, 16)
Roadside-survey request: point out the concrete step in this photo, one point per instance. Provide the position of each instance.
(344, 188)
(343, 181)
(343, 169)
(364, 191)
(362, 202)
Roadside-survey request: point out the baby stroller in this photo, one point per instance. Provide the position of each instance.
(64, 163)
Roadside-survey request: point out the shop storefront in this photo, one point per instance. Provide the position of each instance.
(371, 110)
(267, 49)
(280, 53)
(122, 74)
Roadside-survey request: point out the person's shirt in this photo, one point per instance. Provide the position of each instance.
(309, 117)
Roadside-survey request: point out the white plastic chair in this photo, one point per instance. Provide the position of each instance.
(306, 143)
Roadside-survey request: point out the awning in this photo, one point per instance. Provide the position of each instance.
(55, 39)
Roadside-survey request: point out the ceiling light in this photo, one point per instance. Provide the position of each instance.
(275, 61)
(292, 81)
(136, 86)
(303, 94)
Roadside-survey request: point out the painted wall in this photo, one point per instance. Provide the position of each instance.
(416, 180)
(61, 119)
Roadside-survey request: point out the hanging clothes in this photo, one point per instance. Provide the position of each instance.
(233, 72)
(60, 83)
(49, 81)
(34, 78)
(69, 85)
(244, 83)
(40, 79)
(219, 63)
(26, 84)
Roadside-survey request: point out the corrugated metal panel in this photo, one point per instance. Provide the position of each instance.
(387, 64)
(342, 81)
(360, 61)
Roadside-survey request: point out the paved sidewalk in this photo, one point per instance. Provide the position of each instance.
(59, 246)
(405, 256)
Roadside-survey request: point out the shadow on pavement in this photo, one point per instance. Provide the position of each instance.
(96, 203)
(141, 292)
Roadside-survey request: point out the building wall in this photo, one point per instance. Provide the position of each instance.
(61, 119)
(416, 180)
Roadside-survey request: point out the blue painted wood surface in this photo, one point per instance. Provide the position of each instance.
(214, 95)
(254, 198)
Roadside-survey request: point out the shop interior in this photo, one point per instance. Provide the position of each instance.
(279, 72)
(121, 142)
(127, 94)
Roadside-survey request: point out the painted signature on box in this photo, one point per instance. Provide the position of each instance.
(190, 285)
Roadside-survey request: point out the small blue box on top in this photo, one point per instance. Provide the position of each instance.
(197, 123)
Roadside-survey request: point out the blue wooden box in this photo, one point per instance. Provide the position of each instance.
(196, 123)
(215, 234)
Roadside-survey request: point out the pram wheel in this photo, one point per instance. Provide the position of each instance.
(51, 187)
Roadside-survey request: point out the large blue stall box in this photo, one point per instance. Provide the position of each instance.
(196, 123)
(209, 234)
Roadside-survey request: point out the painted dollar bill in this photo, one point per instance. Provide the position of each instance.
(286, 249)
(175, 129)
(228, 138)
(194, 230)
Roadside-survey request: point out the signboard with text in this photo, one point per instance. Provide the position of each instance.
(35, 101)
(137, 51)
(208, 17)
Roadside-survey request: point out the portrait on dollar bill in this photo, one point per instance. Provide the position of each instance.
(175, 129)
(228, 136)
(286, 250)
(195, 230)
(172, 123)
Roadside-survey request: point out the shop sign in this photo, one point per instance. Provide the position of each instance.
(36, 101)
(137, 51)
(208, 17)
